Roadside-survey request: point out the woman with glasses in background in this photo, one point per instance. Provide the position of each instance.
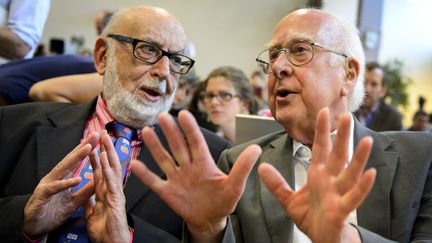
(227, 93)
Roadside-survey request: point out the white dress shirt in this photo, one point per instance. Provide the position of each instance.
(302, 156)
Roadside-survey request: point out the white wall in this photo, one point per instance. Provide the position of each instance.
(407, 35)
(344, 9)
(225, 32)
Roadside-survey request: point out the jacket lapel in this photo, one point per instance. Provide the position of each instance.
(374, 212)
(280, 156)
(64, 132)
(135, 189)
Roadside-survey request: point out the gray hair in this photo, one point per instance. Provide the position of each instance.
(347, 41)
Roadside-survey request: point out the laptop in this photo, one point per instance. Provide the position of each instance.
(249, 127)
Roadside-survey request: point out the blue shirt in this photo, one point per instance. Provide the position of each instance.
(26, 18)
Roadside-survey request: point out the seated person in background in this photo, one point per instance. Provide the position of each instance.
(197, 108)
(59, 78)
(17, 77)
(183, 95)
(363, 186)
(21, 27)
(374, 113)
(138, 83)
(228, 93)
(420, 121)
(77, 88)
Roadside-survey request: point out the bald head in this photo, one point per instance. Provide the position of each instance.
(146, 20)
(330, 31)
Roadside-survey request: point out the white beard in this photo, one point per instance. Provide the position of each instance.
(131, 108)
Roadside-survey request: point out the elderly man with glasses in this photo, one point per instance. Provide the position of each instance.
(140, 55)
(307, 183)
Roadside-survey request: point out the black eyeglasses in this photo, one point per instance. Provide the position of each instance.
(207, 97)
(151, 54)
(298, 54)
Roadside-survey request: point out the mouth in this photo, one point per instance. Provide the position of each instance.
(151, 94)
(283, 93)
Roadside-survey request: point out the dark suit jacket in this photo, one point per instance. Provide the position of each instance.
(398, 208)
(385, 118)
(34, 137)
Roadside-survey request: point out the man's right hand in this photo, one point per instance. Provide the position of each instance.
(195, 187)
(52, 202)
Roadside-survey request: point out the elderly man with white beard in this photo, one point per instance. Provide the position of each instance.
(140, 56)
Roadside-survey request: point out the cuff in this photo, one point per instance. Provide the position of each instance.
(27, 239)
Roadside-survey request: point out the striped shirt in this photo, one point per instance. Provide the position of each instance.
(97, 122)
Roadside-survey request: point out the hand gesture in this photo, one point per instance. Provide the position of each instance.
(320, 208)
(52, 202)
(195, 188)
(106, 216)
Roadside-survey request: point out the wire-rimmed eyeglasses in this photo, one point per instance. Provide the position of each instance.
(298, 53)
(151, 54)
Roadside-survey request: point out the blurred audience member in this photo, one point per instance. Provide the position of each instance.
(17, 77)
(420, 121)
(76, 88)
(184, 92)
(21, 27)
(101, 20)
(198, 109)
(53, 78)
(374, 113)
(228, 93)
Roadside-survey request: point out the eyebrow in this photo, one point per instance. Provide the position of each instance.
(157, 44)
(296, 38)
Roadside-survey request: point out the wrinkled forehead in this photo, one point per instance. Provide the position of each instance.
(161, 29)
(303, 25)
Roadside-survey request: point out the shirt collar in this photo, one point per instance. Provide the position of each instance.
(104, 116)
(297, 144)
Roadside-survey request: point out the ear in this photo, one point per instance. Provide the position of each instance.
(100, 54)
(383, 91)
(352, 68)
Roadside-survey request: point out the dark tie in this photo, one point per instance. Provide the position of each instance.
(74, 230)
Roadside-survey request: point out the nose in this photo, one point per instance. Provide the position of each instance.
(161, 68)
(161, 71)
(281, 67)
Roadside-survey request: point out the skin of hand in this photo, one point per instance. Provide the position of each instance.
(106, 215)
(320, 208)
(52, 201)
(193, 179)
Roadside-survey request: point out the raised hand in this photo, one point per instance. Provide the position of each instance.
(195, 188)
(52, 202)
(320, 208)
(106, 216)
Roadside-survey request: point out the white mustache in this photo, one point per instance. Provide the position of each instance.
(154, 84)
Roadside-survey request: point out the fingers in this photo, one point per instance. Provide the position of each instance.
(159, 153)
(198, 146)
(147, 176)
(71, 161)
(112, 157)
(353, 172)
(243, 166)
(274, 181)
(339, 154)
(46, 190)
(322, 144)
(353, 198)
(175, 138)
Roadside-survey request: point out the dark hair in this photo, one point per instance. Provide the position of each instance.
(374, 65)
(240, 83)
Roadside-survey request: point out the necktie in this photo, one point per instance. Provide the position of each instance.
(74, 230)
